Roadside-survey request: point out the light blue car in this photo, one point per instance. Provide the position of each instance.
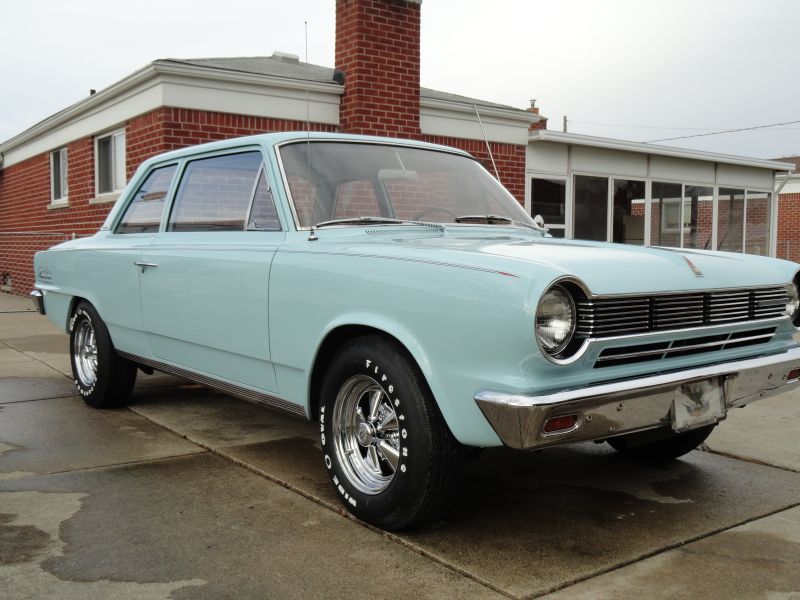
(398, 294)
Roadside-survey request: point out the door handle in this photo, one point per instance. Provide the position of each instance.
(144, 265)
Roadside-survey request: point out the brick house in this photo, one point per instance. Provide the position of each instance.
(59, 178)
(788, 246)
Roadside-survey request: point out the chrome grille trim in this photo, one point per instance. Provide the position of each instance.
(682, 347)
(614, 316)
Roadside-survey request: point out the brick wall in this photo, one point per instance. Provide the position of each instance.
(377, 48)
(27, 225)
(510, 160)
(789, 227)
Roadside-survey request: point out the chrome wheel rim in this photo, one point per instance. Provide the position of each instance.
(366, 434)
(84, 352)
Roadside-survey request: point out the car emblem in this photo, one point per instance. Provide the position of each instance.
(693, 267)
(45, 275)
(768, 303)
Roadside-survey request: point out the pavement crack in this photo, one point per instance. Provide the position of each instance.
(108, 466)
(334, 508)
(565, 584)
(748, 459)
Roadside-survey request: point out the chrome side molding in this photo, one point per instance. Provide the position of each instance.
(229, 388)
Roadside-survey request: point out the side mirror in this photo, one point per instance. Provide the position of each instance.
(539, 221)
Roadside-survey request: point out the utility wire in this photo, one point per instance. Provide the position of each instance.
(683, 137)
(665, 127)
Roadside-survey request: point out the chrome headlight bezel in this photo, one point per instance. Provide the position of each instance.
(560, 294)
(792, 309)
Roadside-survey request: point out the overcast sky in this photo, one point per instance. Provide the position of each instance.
(637, 70)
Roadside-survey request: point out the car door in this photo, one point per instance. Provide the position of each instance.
(111, 270)
(205, 282)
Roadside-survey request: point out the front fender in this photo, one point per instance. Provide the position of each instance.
(466, 423)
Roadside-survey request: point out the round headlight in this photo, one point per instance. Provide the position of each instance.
(793, 303)
(555, 320)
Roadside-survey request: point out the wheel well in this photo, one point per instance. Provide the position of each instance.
(73, 303)
(328, 349)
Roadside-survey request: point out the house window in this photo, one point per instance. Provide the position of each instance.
(548, 199)
(58, 176)
(110, 162)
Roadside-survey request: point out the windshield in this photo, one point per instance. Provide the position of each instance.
(354, 183)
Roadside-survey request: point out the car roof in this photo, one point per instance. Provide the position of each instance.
(271, 139)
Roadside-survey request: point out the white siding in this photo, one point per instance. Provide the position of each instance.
(747, 177)
(547, 157)
(681, 169)
(609, 162)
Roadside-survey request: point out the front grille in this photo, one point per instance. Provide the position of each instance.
(612, 357)
(607, 317)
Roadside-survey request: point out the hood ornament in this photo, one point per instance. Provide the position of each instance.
(693, 267)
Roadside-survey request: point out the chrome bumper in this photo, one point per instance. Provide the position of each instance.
(634, 405)
(38, 301)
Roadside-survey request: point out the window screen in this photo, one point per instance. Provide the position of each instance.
(215, 193)
(143, 214)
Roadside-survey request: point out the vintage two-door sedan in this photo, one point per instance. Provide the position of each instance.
(398, 294)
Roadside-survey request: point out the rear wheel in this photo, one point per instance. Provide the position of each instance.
(660, 446)
(389, 453)
(102, 377)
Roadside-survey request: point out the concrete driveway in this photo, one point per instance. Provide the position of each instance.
(192, 494)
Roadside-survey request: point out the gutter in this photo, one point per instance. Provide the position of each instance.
(512, 114)
(547, 135)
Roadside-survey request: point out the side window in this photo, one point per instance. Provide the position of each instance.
(143, 214)
(263, 215)
(215, 193)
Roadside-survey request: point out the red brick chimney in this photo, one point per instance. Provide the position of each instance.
(377, 48)
(541, 123)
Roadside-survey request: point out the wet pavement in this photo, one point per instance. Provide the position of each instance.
(192, 494)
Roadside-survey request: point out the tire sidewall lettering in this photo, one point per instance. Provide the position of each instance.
(81, 313)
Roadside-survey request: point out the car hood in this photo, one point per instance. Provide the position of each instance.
(605, 268)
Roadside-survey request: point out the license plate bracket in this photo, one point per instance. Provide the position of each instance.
(698, 403)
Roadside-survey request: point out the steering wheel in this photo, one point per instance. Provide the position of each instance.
(435, 209)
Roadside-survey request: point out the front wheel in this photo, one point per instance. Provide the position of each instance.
(102, 377)
(668, 447)
(389, 453)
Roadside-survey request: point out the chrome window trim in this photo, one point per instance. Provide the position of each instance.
(132, 194)
(300, 140)
(181, 173)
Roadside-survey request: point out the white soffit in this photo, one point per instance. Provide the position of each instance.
(612, 144)
(182, 86)
(458, 120)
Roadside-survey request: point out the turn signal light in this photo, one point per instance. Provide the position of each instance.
(563, 423)
(793, 374)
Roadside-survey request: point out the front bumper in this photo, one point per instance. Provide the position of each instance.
(612, 409)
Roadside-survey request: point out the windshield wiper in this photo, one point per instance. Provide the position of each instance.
(359, 221)
(492, 220)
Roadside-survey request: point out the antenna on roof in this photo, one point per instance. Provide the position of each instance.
(486, 141)
(312, 236)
